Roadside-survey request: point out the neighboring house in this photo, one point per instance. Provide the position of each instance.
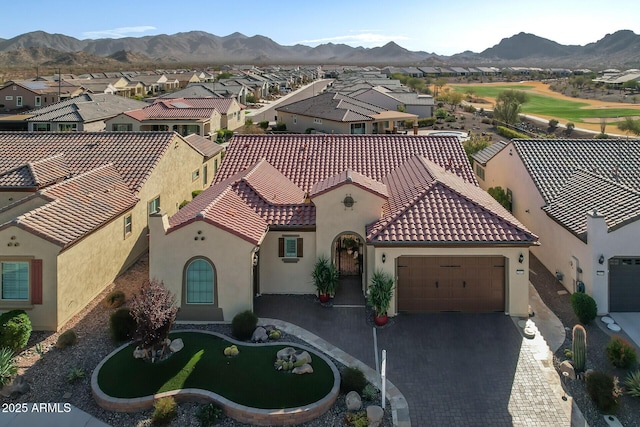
(231, 112)
(219, 90)
(86, 112)
(409, 102)
(74, 210)
(27, 95)
(409, 205)
(177, 115)
(582, 197)
(334, 113)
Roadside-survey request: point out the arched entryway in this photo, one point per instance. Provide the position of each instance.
(348, 256)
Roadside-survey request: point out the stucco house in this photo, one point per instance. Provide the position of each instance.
(74, 210)
(27, 95)
(582, 198)
(409, 205)
(231, 111)
(337, 113)
(178, 115)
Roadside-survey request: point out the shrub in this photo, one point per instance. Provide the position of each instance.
(264, 124)
(510, 133)
(369, 392)
(67, 339)
(440, 113)
(584, 307)
(122, 325)
(408, 124)
(570, 127)
(154, 310)
(450, 119)
(553, 123)
(309, 131)
(8, 366)
(600, 387)
(426, 122)
(633, 383)
(281, 127)
(243, 325)
(620, 353)
(356, 419)
(469, 108)
(15, 329)
(165, 409)
(183, 204)
(194, 193)
(209, 414)
(352, 379)
(486, 121)
(601, 136)
(115, 299)
(75, 374)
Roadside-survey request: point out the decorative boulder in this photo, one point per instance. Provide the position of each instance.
(269, 328)
(139, 353)
(176, 345)
(304, 369)
(285, 353)
(302, 355)
(353, 401)
(566, 370)
(260, 335)
(374, 415)
(17, 385)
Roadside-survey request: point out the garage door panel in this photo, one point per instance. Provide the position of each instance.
(624, 284)
(472, 284)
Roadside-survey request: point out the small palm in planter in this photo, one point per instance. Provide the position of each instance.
(325, 278)
(379, 295)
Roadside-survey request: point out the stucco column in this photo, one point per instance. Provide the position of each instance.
(595, 275)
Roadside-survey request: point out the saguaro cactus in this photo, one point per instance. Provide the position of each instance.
(579, 347)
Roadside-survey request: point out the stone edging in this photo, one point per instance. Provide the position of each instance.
(399, 406)
(245, 414)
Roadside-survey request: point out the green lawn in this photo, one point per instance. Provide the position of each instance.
(248, 379)
(563, 110)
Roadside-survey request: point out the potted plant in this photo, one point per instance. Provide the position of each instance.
(349, 243)
(325, 277)
(379, 296)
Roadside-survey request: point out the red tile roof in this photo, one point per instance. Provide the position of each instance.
(220, 104)
(77, 206)
(204, 146)
(36, 174)
(133, 154)
(430, 205)
(427, 203)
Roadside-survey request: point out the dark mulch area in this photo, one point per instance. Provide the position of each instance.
(597, 339)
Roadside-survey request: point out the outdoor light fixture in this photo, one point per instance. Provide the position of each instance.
(521, 258)
(384, 257)
(601, 259)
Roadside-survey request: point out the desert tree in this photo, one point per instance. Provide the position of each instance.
(452, 99)
(154, 311)
(630, 126)
(509, 105)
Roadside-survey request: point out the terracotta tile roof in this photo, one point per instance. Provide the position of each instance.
(77, 206)
(36, 174)
(309, 159)
(618, 204)
(429, 205)
(552, 162)
(221, 104)
(133, 154)
(202, 145)
(272, 186)
(349, 177)
(171, 109)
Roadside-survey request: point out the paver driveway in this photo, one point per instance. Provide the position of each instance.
(454, 369)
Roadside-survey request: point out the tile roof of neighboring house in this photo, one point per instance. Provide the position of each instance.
(77, 206)
(551, 162)
(585, 192)
(332, 106)
(486, 154)
(427, 204)
(172, 109)
(221, 104)
(36, 174)
(133, 154)
(85, 108)
(202, 145)
(43, 87)
(349, 177)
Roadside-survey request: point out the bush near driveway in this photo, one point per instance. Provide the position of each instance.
(621, 354)
(584, 307)
(15, 329)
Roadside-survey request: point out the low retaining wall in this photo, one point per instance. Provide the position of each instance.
(245, 414)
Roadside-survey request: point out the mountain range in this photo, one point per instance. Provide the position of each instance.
(620, 49)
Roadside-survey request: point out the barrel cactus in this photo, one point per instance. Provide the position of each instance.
(579, 347)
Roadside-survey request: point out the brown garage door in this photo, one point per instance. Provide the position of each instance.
(474, 284)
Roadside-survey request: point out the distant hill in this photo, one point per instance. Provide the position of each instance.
(620, 49)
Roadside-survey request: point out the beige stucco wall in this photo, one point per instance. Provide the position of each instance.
(517, 285)
(280, 275)
(214, 124)
(304, 122)
(334, 219)
(43, 316)
(12, 197)
(231, 256)
(232, 120)
(97, 126)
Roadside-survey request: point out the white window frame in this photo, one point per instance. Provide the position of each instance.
(2, 284)
(38, 101)
(128, 225)
(195, 175)
(290, 243)
(154, 205)
(8, 98)
(317, 121)
(18, 101)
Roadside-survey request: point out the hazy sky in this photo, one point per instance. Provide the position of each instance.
(443, 27)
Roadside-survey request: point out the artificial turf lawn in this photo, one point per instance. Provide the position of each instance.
(248, 379)
(573, 111)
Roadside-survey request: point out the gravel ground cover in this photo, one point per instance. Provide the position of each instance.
(597, 339)
(45, 367)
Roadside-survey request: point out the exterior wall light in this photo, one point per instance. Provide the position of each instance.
(521, 258)
(601, 259)
(384, 257)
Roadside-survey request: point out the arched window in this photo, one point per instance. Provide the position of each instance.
(200, 281)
